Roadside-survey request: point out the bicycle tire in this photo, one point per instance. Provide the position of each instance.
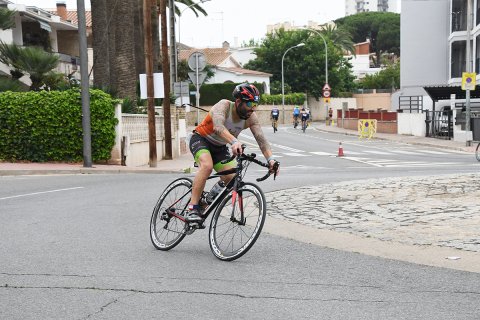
(477, 152)
(166, 231)
(304, 126)
(221, 226)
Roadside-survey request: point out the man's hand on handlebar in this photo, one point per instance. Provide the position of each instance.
(237, 148)
(274, 167)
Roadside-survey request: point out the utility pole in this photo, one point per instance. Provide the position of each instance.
(85, 85)
(469, 67)
(152, 134)
(173, 45)
(166, 82)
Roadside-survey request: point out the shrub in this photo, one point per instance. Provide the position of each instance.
(47, 125)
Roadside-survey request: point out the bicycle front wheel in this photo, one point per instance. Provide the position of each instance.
(166, 230)
(230, 235)
(477, 152)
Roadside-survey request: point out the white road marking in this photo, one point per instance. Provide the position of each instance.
(319, 153)
(294, 154)
(41, 192)
(377, 152)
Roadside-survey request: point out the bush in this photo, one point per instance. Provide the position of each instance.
(47, 125)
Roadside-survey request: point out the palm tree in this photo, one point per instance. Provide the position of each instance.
(340, 37)
(118, 43)
(37, 63)
(8, 55)
(7, 19)
(32, 60)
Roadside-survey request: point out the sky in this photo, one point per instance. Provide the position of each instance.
(235, 21)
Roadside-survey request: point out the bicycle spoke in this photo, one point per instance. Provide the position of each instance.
(231, 239)
(166, 230)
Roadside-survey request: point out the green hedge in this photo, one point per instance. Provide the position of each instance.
(47, 125)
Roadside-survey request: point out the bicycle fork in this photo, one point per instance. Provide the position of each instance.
(237, 196)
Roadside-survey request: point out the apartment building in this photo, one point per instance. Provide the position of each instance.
(433, 41)
(357, 6)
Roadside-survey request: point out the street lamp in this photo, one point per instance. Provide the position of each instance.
(175, 45)
(283, 95)
(326, 52)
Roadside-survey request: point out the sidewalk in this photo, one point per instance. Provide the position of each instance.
(181, 164)
(421, 141)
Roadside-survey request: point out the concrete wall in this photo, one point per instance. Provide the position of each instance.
(373, 101)
(411, 124)
(320, 110)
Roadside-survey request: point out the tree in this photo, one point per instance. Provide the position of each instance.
(385, 79)
(118, 44)
(32, 60)
(304, 67)
(341, 37)
(7, 19)
(382, 28)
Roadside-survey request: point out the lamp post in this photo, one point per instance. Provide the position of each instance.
(326, 52)
(175, 45)
(283, 94)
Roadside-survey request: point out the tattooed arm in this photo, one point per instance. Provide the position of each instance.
(257, 132)
(219, 114)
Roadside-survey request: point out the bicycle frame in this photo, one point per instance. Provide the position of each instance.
(234, 184)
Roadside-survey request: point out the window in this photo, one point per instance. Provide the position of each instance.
(458, 59)
(459, 15)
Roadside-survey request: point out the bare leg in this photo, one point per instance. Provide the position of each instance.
(205, 164)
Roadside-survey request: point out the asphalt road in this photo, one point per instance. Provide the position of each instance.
(77, 247)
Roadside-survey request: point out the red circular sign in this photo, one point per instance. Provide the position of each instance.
(326, 94)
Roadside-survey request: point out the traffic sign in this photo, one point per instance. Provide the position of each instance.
(180, 88)
(201, 78)
(326, 94)
(326, 100)
(468, 81)
(197, 61)
(326, 87)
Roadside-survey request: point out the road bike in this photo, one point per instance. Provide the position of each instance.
(295, 122)
(275, 125)
(239, 212)
(477, 152)
(304, 125)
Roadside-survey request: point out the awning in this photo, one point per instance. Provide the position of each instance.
(45, 26)
(444, 92)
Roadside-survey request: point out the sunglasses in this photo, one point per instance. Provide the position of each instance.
(251, 104)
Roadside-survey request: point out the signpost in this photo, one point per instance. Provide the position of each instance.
(197, 63)
(326, 98)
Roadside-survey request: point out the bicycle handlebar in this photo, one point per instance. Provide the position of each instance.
(251, 157)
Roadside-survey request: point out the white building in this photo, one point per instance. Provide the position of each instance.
(357, 6)
(433, 41)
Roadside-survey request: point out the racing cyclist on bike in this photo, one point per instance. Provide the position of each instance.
(305, 115)
(274, 115)
(296, 113)
(221, 126)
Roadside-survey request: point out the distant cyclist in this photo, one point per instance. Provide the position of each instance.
(305, 115)
(274, 116)
(296, 114)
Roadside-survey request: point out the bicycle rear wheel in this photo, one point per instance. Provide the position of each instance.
(166, 230)
(477, 152)
(230, 238)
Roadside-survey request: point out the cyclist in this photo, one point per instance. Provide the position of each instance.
(274, 116)
(296, 113)
(304, 114)
(221, 126)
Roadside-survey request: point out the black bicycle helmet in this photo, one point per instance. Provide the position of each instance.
(246, 92)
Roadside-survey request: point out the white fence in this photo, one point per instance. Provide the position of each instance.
(131, 143)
